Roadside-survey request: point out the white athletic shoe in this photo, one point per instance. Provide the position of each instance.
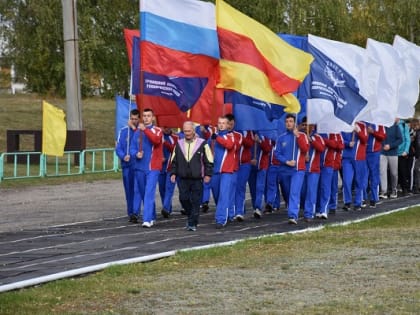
(147, 224)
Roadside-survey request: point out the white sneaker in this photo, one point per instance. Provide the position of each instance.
(147, 224)
(393, 195)
(324, 216)
(383, 196)
(239, 218)
(257, 214)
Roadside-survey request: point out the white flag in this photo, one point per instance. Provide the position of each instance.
(409, 84)
(383, 54)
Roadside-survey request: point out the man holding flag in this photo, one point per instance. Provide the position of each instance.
(291, 148)
(224, 166)
(122, 149)
(146, 147)
(354, 165)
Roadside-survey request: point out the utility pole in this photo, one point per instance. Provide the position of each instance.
(76, 137)
(71, 58)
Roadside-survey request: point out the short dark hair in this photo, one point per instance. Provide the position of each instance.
(135, 112)
(230, 117)
(291, 116)
(148, 110)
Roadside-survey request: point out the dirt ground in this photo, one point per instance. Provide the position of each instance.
(42, 206)
(382, 278)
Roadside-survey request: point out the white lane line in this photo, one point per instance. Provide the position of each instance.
(79, 231)
(104, 238)
(83, 242)
(172, 239)
(69, 258)
(80, 271)
(63, 234)
(94, 268)
(81, 222)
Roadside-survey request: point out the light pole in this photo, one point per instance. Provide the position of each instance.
(76, 136)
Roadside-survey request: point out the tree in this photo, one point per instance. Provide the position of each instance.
(102, 47)
(34, 41)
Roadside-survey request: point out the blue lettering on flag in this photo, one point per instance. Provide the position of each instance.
(184, 91)
(331, 82)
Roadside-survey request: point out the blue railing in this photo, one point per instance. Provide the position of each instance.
(16, 165)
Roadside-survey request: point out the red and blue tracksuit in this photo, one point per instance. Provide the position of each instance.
(206, 135)
(257, 180)
(373, 155)
(224, 166)
(166, 187)
(245, 156)
(238, 142)
(122, 149)
(354, 164)
(313, 170)
(147, 169)
(273, 179)
(289, 147)
(328, 157)
(332, 205)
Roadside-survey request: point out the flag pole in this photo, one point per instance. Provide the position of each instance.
(294, 137)
(129, 108)
(213, 126)
(141, 89)
(308, 136)
(213, 112)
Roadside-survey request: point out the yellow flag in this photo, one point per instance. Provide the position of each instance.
(256, 62)
(54, 130)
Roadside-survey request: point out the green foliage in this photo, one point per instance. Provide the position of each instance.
(102, 45)
(34, 40)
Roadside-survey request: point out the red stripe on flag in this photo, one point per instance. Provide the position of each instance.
(165, 61)
(166, 111)
(211, 108)
(241, 49)
(128, 36)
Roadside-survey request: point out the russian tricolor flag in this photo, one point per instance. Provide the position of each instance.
(179, 50)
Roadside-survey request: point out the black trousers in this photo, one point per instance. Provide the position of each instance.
(404, 172)
(190, 195)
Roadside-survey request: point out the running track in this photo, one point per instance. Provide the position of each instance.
(33, 256)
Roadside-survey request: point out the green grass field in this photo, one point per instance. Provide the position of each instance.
(24, 111)
(371, 267)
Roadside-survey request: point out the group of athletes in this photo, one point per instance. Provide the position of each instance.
(301, 168)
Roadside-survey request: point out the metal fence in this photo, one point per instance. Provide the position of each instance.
(35, 164)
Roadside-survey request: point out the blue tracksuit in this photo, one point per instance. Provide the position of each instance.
(288, 148)
(147, 170)
(122, 149)
(224, 159)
